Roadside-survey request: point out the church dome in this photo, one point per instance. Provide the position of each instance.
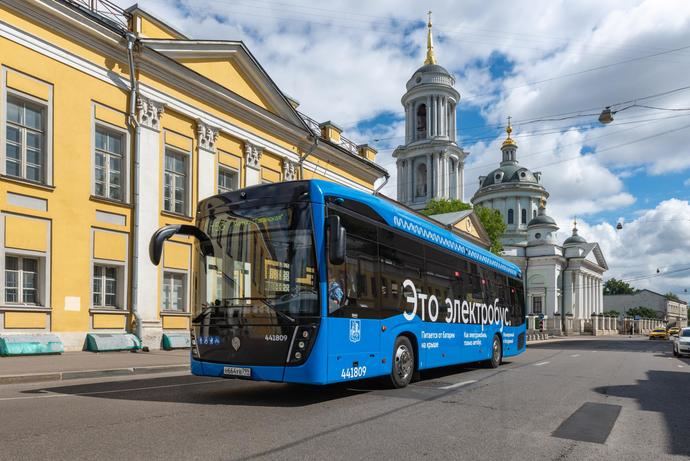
(509, 174)
(431, 74)
(542, 219)
(575, 238)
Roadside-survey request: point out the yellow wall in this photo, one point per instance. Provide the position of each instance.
(28, 320)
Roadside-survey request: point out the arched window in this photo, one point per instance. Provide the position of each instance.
(420, 181)
(524, 216)
(511, 218)
(534, 213)
(421, 121)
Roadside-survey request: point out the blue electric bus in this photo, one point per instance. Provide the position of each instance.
(314, 282)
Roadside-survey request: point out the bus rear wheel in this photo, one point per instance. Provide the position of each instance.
(496, 353)
(403, 362)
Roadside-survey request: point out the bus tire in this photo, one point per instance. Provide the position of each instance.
(496, 353)
(402, 369)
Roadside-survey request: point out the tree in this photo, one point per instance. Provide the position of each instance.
(672, 296)
(439, 206)
(491, 220)
(617, 287)
(611, 313)
(643, 312)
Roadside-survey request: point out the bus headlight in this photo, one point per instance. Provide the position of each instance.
(298, 355)
(301, 344)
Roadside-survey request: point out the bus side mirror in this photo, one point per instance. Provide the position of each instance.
(336, 240)
(166, 232)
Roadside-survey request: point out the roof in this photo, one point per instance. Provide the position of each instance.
(451, 218)
(432, 68)
(574, 239)
(509, 173)
(541, 219)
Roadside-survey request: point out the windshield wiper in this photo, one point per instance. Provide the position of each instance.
(276, 310)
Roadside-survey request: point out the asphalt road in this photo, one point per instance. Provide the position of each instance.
(590, 398)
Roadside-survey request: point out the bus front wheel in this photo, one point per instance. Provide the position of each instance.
(403, 362)
(496, 353)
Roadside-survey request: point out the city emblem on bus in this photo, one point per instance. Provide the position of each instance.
(355, 330)
(235, 343)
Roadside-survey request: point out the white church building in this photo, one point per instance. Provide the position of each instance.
(564, 280)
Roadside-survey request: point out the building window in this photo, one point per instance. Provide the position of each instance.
(108, 174)
(227, 180)
(105, 287)
(176, 182)
(174, 291)
(536, 305)
(511, 217)
(25, 155)
(523, 217)
(534, 213)
(21, 280)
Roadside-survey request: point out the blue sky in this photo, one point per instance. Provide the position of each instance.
(348, 61)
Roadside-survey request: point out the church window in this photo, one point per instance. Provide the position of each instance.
(536, 305)
(511, 218)
(534, 213)
(523, 218)
(421, 121)
(420, 183)
(537, 235)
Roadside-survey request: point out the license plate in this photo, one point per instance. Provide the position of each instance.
(237, 371)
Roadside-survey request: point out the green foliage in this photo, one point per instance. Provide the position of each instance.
(611, 313)
(491, 220)
(643, 312)
(672, 296)
(439, 206)
(493, 225)
(618, 287)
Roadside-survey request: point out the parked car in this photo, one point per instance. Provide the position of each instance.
(673, 331)
(658, 333)
(681, 342)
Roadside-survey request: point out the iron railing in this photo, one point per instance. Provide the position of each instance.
(316, 129)
(104, 10)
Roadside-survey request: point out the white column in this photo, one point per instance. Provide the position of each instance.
(461, 166)
(442, 116)
(206, 142)
(429, 192)
(601, 296)
(410, 183)
(453, 121)
(252, 161)
(398, 180)
(147, 211)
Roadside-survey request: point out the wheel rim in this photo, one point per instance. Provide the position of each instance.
(403, 362)
(497, 351)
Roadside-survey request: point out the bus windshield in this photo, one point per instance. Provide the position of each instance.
(262, 265)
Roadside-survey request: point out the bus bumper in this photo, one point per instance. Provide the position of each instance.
(302, 374)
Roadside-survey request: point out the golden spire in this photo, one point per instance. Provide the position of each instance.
(509, 141)
(430, 58)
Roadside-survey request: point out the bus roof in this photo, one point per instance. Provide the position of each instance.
(408, 221)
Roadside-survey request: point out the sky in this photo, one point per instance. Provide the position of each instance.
(551, 65)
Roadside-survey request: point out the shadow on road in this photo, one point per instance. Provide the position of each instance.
(206, 391)
(665, 392)
(635, 344)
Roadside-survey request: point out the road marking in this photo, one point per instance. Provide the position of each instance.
(540, 364)
(453, 386)
(112, 391)
(680, 366)
(575, 355)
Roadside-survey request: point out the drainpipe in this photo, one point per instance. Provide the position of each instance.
(304, 157)
(132, 121)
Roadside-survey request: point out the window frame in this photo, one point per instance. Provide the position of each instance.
(185, 296)
(523, 216)
(119, 287)
(226, 169)
(38, 289)
(187, 205)
(26, 100)
(125, 161)
(541, 304)
(511, 216)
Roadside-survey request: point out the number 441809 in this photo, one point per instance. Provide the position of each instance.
(354, 372)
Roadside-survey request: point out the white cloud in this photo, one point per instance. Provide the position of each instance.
(686, 183)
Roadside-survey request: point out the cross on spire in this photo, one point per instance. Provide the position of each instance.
(430, 58)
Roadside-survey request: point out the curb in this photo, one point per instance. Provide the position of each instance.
(65, 375)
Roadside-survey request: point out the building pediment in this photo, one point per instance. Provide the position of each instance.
(466, 224)
(231, 65)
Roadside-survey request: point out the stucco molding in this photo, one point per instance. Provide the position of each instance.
(149, 112)
(207, 136)
(289, 170)
(252, 155)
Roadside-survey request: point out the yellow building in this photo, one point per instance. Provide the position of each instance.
(116, 124)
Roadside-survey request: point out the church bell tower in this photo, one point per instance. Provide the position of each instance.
(430, 165)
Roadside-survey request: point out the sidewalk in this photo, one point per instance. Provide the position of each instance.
(74, 365)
